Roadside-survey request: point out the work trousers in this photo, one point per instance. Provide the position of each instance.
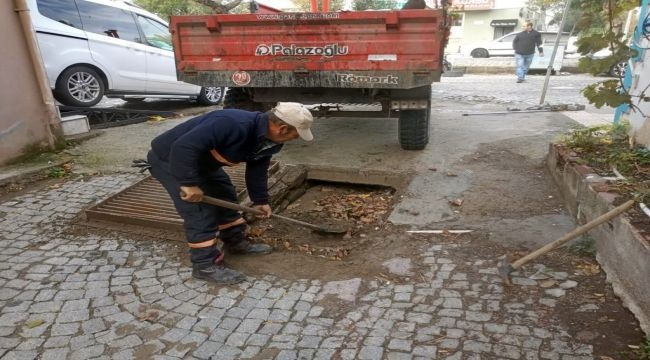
(204, 224)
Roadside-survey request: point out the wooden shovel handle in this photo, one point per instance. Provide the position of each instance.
(229, 205)
(578, 231)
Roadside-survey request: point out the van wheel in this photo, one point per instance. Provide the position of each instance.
(79, 86)
(210, 95)
(239, 98)
(413, 128)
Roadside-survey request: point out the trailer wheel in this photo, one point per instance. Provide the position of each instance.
(238, 98)
(413, 128)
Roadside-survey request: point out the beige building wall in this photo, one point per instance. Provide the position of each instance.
(28, 117)
(485, 20)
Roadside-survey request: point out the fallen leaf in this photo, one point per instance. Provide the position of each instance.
(547, 283)
(34, 323)
(456, 202)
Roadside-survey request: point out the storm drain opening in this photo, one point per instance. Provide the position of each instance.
(361, 200)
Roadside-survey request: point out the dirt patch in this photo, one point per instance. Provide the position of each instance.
(517, 188)
(360, 252)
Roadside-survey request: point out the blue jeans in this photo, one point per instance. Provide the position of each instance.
(523, 63)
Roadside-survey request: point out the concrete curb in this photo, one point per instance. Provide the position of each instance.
(622, 251)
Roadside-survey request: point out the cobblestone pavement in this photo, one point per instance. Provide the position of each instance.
(108, 296)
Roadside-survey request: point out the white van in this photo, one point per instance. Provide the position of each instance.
(93, 48)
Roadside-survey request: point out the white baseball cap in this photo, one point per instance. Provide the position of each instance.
(296, 115)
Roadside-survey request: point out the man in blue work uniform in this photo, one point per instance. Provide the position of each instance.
(524, 45)
(188, 161)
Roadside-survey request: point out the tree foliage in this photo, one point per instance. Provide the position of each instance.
(167, 8)
(374, 4)
(335, 5)
(601, 22)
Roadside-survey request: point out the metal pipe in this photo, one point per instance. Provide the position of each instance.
(39, 70)
(326, 5)
(557, 42)
(313, 5)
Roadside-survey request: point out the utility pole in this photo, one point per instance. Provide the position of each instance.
(557, 42)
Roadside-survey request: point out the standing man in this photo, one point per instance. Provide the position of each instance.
(188, 161)
(524, 45)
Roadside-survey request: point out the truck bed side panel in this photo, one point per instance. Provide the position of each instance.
(370, 49)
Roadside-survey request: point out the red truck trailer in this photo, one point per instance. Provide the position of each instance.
(327, 59)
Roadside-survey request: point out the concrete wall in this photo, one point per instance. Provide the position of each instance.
(28, 118)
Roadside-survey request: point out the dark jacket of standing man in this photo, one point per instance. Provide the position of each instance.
(524, 45)
(188, 161)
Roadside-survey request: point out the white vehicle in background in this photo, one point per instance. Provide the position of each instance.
(503, 46)
(92, 48)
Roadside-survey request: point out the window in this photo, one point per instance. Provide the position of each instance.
(108, 21)
(502, 30)
(63, 11)
(155, 33)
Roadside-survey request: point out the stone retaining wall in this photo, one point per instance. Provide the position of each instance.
(622, 251)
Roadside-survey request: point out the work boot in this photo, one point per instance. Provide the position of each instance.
(218, 274)
(245, 247)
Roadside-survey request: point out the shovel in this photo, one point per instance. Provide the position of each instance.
(331, 229)
(505, 267)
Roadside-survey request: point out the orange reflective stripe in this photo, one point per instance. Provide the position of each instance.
(220, 158)
(232, 224)
(203, 244)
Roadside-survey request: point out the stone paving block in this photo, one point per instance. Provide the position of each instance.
(207, 349)
(20, 355)
(87, 353)
(30, 344)
(280, 315)
(250, 352)
(127, 342)
(174, 335)
(82, 341)
(371, 353)
(237, 339)
(64, 329)
(121, 317)
(55, 354)
(228, 352)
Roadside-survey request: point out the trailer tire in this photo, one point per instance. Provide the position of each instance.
(238, 98)
(413, 129)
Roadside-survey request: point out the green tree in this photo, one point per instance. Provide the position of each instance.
(601, 23)
(167, 8)
(374, 4)
(305, 5)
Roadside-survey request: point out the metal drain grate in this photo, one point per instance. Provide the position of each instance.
(146, 203)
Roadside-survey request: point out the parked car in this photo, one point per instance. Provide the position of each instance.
(503, 46)
(92, 48)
